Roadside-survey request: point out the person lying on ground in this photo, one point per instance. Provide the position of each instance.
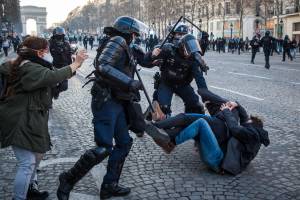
(228, 140)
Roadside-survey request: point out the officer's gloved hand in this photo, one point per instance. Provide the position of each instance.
(201, 62)
(135, 85)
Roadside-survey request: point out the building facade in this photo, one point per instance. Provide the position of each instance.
(235, 18)
(288, 19)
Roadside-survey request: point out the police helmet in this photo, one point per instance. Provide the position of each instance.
(59, 31)
(181, 29)
(267, 33)
(189, 44)
(126, 25)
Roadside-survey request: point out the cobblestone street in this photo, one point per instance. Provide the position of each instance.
(273, 175)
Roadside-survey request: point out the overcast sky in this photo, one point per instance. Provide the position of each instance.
(57, 9)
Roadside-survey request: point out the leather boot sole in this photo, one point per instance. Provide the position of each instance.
(160, 137)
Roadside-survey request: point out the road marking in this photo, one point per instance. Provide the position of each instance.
(153, 71)
(238, 93)
(272, 67)
(254, 76)
(45, 163)
(295, 83)
(79, 196)
(148, 70)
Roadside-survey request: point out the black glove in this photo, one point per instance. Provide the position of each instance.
(135, 85)
(203, 66)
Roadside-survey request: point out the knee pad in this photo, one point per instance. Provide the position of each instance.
(96, 155)
(196, 108)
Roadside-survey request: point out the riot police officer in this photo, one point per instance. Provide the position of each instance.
(113, 90)
(178, 67)
(62, 56)
(267, 44)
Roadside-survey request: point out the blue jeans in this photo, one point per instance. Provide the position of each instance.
(185, 92)
(27, 164)
(209, 149)
(110, 123)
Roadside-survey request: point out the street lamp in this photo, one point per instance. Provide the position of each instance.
(281, 28)
(231, 26)
(200, 23)
(257, 26)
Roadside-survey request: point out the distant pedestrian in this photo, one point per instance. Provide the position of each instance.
(241, 45)
(85, 41)
(286, 48)
(80, 40)
(247, 43)
(6, 45)
(254, 47)
(293, 48)
(91, 41)
(267, 44)
(1, 42)
(16, 42)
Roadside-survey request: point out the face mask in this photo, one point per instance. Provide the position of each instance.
(47, 57)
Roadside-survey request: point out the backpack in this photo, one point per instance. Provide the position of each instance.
(3, 86)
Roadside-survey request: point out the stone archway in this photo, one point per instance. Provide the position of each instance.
(39, 14)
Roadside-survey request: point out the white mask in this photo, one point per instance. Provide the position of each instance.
(47, 57)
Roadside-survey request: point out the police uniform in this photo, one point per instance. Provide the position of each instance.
(113, 91)
(176, 75)
(267, 44)
(62, 55)
(255, 43)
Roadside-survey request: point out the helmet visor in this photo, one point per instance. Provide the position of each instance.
(140, 27)
(190, 44)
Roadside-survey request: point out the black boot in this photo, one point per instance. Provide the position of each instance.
(267, 66)
(34, 194)
(87, 161)
(160, 137)
(113, 190)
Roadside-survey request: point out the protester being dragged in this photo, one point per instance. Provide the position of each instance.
(228, 140)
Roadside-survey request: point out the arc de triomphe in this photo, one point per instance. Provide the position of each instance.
(39, 14)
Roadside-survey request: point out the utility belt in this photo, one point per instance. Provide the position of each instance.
(133, 111)
(100, 94)
(172, 81)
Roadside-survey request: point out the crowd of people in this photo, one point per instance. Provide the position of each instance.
(227, 137)
(9, 41)
(284, 46)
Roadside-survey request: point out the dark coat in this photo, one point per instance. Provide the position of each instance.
(239, 143)
(244, 144)
(24, 115)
